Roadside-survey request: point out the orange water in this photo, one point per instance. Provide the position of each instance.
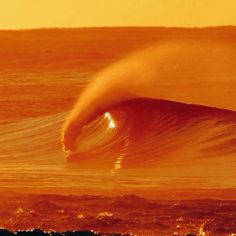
(139, 146)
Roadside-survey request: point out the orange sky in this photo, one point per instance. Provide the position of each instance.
(23, 14)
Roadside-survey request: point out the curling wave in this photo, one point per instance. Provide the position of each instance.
(159, 137)
(168, 108)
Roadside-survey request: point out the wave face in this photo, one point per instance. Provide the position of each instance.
(160, 136)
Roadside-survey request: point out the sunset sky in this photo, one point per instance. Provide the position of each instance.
(24, 14)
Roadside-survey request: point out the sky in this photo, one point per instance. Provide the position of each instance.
(25, 14)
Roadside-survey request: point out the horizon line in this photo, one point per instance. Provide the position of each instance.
(113, 27)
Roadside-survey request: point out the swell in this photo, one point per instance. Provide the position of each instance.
(30, 137)
(141, 143)
(147, 128)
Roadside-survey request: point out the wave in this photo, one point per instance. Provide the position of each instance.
(153, 135)
(142, 143)
(166, 109)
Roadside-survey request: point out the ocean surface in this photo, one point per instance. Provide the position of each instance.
(141, 144)
(147, 147)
